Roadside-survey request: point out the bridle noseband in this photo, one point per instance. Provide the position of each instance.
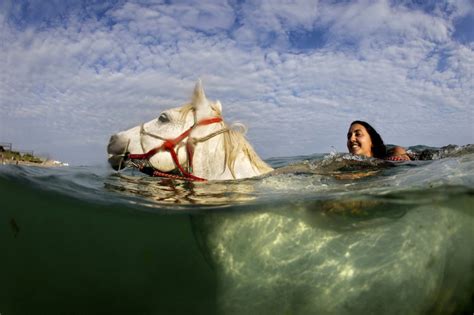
(170, 145)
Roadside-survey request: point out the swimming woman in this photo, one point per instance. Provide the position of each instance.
(362, 139)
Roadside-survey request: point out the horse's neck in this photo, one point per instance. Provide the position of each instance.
(210, 162)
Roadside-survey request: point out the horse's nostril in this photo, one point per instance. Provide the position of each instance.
(115, 145)
(113, 139)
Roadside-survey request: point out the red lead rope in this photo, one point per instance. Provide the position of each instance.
(169, 145)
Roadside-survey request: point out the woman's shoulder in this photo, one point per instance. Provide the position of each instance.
(397, 154)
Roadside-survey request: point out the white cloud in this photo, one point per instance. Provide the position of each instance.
(65, 89)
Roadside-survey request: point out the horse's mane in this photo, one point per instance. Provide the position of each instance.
(234, 142)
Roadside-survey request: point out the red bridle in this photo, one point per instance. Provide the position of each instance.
(170, 144)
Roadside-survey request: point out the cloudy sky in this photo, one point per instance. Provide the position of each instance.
(295, 72)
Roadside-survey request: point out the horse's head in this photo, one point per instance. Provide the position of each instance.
(192, 140)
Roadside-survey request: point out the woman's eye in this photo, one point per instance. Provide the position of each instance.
(163, 118)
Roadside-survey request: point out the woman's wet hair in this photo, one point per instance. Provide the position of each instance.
(378, 147)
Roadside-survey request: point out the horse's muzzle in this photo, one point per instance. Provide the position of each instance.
(117, 150)
(117, 162)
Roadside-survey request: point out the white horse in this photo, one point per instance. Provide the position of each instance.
(192, 141)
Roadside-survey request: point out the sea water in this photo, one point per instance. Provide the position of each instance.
(323, 234)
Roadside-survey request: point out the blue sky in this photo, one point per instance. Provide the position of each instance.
(295, 72)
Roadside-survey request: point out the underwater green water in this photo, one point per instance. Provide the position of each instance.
(305, 240)
(66, 256)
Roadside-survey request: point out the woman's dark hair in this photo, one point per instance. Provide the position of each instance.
(378, 147)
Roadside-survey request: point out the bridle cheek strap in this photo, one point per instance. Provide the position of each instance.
(170, 144)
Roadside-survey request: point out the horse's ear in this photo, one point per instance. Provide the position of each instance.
(202, 108)
(198, 96)
(217, 106)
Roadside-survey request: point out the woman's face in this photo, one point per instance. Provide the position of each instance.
(358, 141)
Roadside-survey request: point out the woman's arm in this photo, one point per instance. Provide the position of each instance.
(397, 154)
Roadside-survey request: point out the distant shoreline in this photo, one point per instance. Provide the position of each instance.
(17, 158)
(47, 163)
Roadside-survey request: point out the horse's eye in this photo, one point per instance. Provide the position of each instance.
(163, 118)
